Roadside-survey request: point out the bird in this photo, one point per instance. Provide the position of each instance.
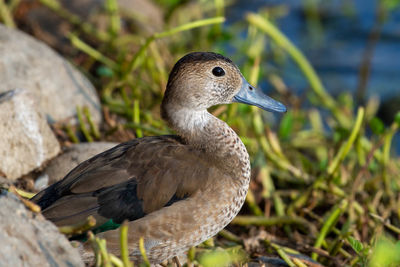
(175, 191)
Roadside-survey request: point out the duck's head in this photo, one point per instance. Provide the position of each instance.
(200, 80)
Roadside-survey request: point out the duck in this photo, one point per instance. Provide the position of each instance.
(175, 191)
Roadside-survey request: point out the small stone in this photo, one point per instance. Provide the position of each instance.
(27, 239)
(41, 182)
(56, 85)
(72, 157)
(26, 140)
(4, 183)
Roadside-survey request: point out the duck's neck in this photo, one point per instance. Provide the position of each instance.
(201, 129)
(193, 125)
(204, 131)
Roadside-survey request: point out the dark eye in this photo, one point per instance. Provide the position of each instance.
(218, 71)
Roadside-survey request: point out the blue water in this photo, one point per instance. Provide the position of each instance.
(337, 52)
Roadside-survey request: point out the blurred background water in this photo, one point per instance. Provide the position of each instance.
(353, 45)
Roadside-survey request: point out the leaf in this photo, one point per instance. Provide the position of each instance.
(397, 118)
(355, 244)
(286, 126)
(391, 4)
(377, 126)
(104, 71)
(385, 253)
(217, 258)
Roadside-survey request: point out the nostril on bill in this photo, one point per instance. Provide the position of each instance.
(251, 88)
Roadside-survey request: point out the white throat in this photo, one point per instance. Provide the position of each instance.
(192, 121)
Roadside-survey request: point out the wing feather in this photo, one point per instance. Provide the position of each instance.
(126, 182)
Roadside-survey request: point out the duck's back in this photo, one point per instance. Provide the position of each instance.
(127, 182)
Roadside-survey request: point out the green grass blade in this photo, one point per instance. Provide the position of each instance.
(328, 225)
(345, 148)
(5, 15)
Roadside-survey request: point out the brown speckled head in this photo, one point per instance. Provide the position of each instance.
(200, 80)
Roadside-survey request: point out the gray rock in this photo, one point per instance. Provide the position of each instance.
(56, 85)
(74, 155)
(142, 16)
(27, 239)
(149, 16)
(26, 140)
(4, 182)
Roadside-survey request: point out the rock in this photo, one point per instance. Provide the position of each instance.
(268, 262)
(4, 183)
(26, 140)
(56, 85)
(149, 16)
(136, 15)
(61, 165)
(27, 239)
(277, 262)
(41, 182)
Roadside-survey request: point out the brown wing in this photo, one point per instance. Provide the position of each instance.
(126, 182)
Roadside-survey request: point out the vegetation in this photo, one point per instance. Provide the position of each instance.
(326, 182)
